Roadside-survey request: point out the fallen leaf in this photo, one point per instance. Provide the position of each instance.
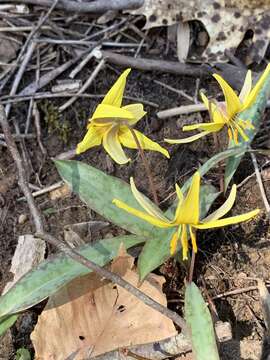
(93, 316)
(226, 22)
(60, 193)
(29, 252)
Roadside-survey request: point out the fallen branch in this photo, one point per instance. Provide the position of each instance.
(99, 6)
(172, 67)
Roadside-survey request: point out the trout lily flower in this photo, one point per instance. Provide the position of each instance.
(187, 215)
(111, 122)
(227, 114)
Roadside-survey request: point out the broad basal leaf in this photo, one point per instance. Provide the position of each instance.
(198, 318)
(98, 190)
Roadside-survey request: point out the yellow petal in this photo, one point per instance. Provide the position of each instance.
(104, 111)
(188, 139)
(126, 138)
(142, 215)
(184, 242)
(211, 127)
(205, 100)
(180, 200)
(224, 209)
(136, 110)
(92, 138)
(193, 239)
(233, 104)
(246, 87)
(115, 94)
(228, 221)
(254, 92)
(190, 207)
(145, 203)
(113, 147)
(173, 243)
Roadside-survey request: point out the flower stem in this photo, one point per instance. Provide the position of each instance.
(191, 268)
(146, 165)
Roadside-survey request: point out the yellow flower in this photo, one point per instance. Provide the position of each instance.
(187, 214)
(110, 125)
(227, 114)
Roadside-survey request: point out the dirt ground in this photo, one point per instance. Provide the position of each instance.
(229, 259)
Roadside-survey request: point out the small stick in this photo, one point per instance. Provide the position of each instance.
(235, 292)
(44, 190)
(179, 92)
(84, 87)
(36, 114)
(36, 215)
(260, 183)
(172, 67)
(185, 109)
(146, 165)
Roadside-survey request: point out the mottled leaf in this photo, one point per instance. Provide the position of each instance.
(198, 318)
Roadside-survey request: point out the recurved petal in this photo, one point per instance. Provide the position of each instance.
(180, 200)
(146, 204)
(113, 147)
(228, 221)
(205, 100)
(246, 87)
(142, 215)
(104, 111)
(224, 209)
(188, 139)
(189, 212)
(211, 127)
(126, 138)
(233, 104)
(92, 138)
(115, 94)
(254, 92)
(136, 110)
(173, 243)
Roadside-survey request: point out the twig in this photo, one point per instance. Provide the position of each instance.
(49, 95)
(114, 278)
(51, 75)
(44, 190)
(65, 248)
(99, 6)
(185, 109)
(36, 115)
(172, 67)
(235, 292)
(251, 175)
(20, 73)
(146, 165)
(179, 92)
(260, 183)
(84, 87)
(36, 215)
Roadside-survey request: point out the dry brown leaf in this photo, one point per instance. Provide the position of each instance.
(226, 21)
(60, 193)
(92, 316)
(183, 38)
(29, 252)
